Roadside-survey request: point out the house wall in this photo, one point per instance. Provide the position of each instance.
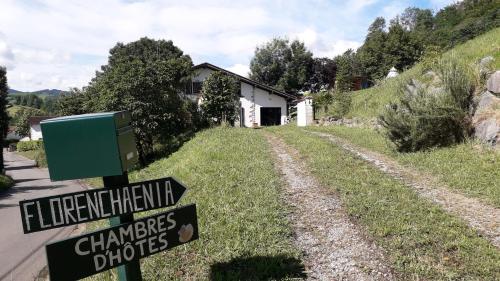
(35, 132)
(252, 100)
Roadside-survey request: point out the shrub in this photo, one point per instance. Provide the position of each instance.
(40, 158)
(29, 145)
(5, 182)
(341, 104)
(431, 114)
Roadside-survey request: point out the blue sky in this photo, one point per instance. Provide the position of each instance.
(60, 44)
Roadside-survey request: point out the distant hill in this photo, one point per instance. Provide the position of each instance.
(40, 93)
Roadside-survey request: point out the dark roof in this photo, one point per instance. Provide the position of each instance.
(37, 119)
(248, 81)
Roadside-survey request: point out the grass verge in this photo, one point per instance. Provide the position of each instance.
(6, 182)
(37, 155)
(243, 230)
(469, 167)
(422, 241)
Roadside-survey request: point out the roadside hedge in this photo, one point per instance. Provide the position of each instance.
(29, 145)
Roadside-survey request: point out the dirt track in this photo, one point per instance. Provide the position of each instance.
(333, 246)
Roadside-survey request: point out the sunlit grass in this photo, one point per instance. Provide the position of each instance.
(243, 229)
(421, 240)
(469, 167)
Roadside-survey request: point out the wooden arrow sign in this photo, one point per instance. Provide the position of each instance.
(79, 207)
(90, 253)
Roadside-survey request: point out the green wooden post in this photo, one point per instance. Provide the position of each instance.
(132, 270)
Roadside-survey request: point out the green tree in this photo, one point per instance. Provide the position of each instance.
(281, 64)
(22, 120)
(372, 52)
(347, 68)
(401, 49)
(4, 117)
(145, 77)
(73, 103)
(323, 75)
(220, 98)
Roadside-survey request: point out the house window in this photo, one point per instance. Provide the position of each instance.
(197, 87)
(242, 117)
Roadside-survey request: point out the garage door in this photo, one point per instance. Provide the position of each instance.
(270, 116)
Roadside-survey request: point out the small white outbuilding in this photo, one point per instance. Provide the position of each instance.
(393, 72)
(305, 112)
(260, 105)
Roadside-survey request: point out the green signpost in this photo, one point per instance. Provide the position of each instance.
(103, 145)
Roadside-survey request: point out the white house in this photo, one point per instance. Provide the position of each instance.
(35, 129)
(260, 105)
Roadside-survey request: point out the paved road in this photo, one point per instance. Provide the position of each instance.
(22, 256)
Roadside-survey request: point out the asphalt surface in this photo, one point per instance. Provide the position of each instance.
(22, 256)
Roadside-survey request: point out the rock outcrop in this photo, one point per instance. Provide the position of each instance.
(486, 118)
(493, 83)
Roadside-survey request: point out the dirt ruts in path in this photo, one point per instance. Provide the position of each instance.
(480, 216)
(334, 247)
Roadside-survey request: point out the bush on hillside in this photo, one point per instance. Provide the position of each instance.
(29, 145)
(341, 104)
(433, 113)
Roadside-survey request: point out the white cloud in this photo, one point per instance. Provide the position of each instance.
(60, 43)
(241, 69)
(357, 5)
(6, 54)
(337, 47)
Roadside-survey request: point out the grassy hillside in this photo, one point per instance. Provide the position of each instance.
(369, 103)
(243, 232)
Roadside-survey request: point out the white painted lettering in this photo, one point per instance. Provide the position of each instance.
(68, 207)
(140, 230)
(163, 241)
(147, 192)
(136, 197)
(169, 194)
(27, 215)
(93, 205)
(112, 238)
(40, 217)
(99, 261)
(101, 206)
(152, 245)
(141, 245)
(126, 201)
(97, 245)
(117, 201)
(171, 221)
(151, 226)
(79, 207)
(78, 249)
(55, 221)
